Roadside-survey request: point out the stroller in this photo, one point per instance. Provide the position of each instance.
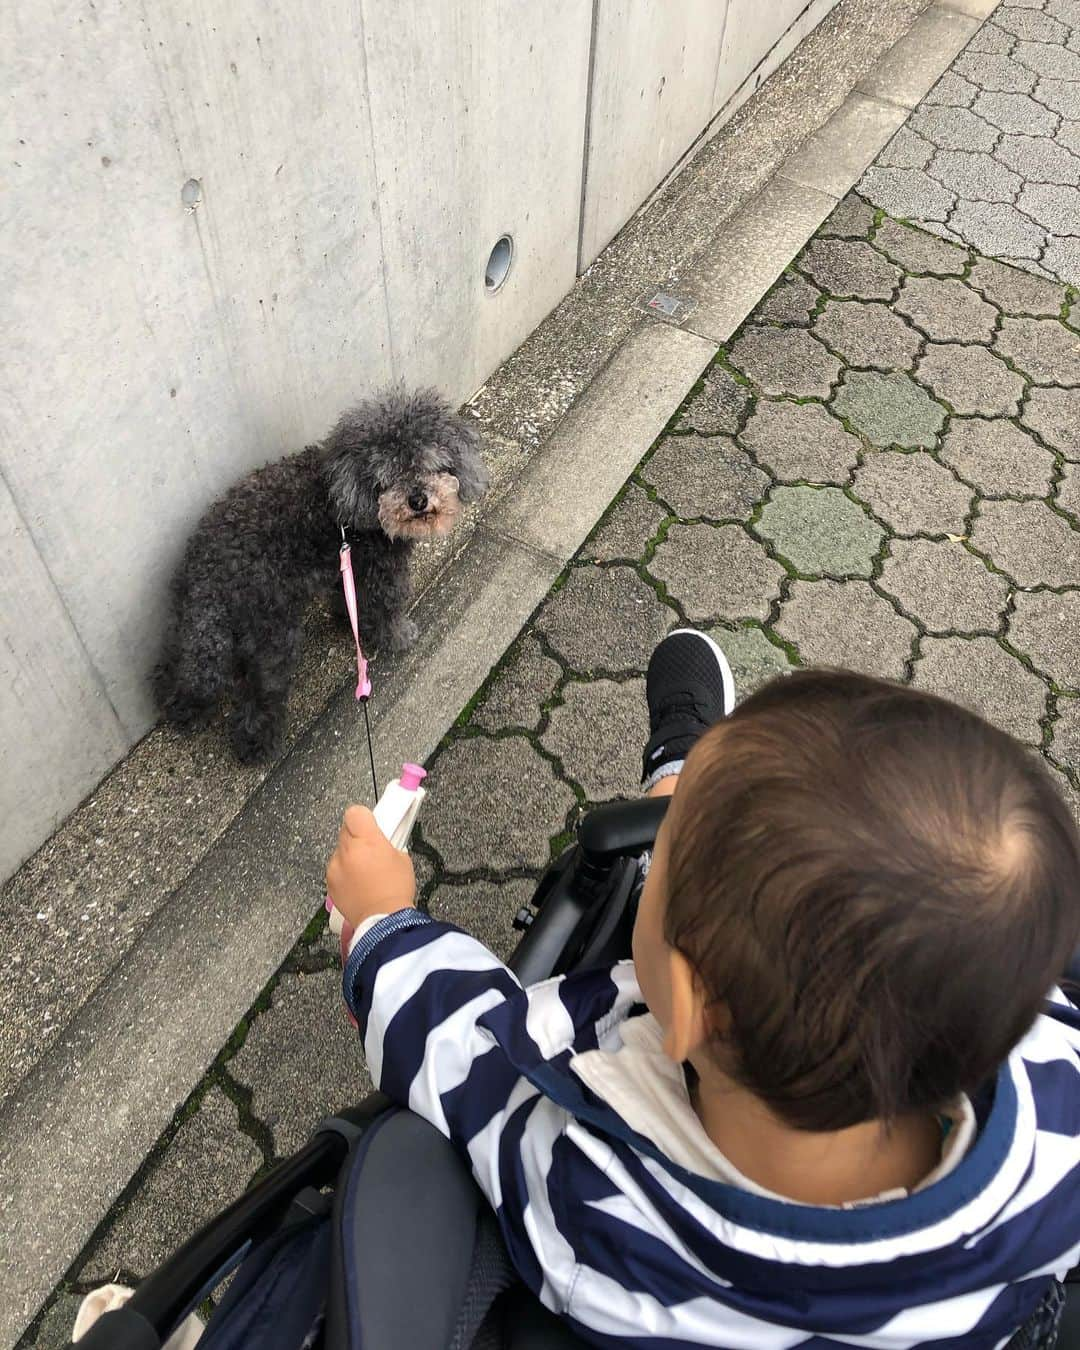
(330, 1248)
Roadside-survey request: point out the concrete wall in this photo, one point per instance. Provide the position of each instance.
(225, 222)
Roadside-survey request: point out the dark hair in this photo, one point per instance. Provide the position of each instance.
(879, 886)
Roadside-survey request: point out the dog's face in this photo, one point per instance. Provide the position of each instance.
(404, 464)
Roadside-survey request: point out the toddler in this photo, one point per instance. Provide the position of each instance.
(834, 1099)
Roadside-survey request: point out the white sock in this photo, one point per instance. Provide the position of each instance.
(673, 766)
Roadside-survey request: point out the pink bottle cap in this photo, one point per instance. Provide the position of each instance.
(411, 776)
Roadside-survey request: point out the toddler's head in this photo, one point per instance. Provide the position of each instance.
(858, 899)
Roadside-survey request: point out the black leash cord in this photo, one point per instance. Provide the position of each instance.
(371, 752)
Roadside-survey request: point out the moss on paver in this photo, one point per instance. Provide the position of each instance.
(888, 409)
(820, 531)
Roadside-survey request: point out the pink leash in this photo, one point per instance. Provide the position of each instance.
(348, 582)
(363, 684)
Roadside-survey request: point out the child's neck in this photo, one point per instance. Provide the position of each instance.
(834, 1167)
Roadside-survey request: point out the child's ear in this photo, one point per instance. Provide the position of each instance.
(688, 1025)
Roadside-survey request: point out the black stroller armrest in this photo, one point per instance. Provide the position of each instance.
(621, 829)
(583, 902)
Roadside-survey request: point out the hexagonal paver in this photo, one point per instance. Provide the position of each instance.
(717, 572)
(852, 219)
(999, 458)
(514, 699)
(785, 361)
(1060, 96)
(1030, 265)
(301, 1059)
(946, 310)
(753, 659)
(997, 227)
(598, 732)
(1065, 746)
(944, 586)
(975, 176)
(1045, 626)
(971, 379)
(206, 1165)
(1068, 493)
(820, 531)
(951, 91)
(980, 674)
(1069, 794)
(485, 909)
(907, 150)
(1051, 204)
(909, 193)
(604, 619)
(717, 407)
(850, 269)
(1014, 291)
(705, 476)
(801, 441)
(889, 409)
(1030, 542)
(627, 529)
(1045, 349)
(954, 128)
(1016, 112)
(510, 774)
(1030, 23)
(993, 40)
(789, 302)
(867, 333)
(424, 869)
(1047, 60)
(1038, 159)
(1069, 136)
(1063, 256)
(997, 73)
(912, 493)
(917, 251)
(845, 623)
(1054, 414)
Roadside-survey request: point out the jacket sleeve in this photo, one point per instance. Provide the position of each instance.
(418, 990)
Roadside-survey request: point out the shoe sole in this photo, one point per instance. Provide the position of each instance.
(726, 676)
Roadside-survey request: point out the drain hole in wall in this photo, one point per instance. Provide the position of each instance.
(498, 264)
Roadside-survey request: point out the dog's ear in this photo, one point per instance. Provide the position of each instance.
(348, 470)
(469, 468)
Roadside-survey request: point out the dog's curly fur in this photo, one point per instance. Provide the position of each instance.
(393, 470)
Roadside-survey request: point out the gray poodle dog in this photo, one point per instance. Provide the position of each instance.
(392, 471)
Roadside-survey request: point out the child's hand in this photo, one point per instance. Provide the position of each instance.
(366, 874)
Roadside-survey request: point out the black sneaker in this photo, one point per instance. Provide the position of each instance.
(689, 687)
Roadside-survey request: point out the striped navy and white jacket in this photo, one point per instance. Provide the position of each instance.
(635, 1251)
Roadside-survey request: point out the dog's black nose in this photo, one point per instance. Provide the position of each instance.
(418, 501)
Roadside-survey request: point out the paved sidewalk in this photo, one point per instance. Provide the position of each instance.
(992, 158)
(880, 471)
